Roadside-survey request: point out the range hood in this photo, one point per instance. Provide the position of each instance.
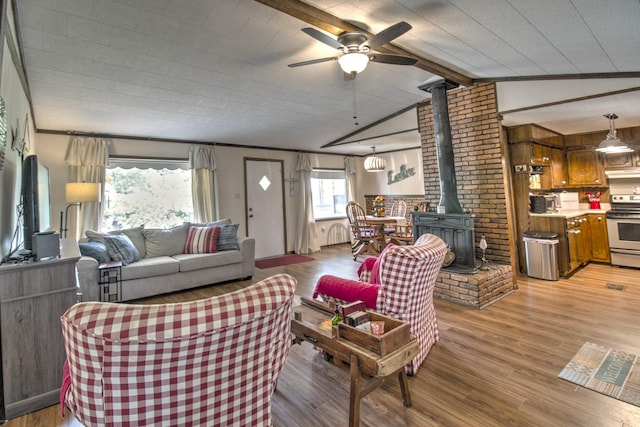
(623, 173)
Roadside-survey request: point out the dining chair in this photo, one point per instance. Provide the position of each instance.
(398, 208)
(366, 237)
(402, 234)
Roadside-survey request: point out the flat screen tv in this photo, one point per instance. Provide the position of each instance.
(36, 199)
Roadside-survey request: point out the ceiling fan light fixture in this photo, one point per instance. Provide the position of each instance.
(374, 163)
(612, 144)
(353, 62)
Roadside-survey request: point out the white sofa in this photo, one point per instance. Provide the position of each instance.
(163, 268)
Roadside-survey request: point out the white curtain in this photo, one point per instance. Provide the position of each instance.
(350, 171)
(87, 158)
(306, 223)
(202, 161)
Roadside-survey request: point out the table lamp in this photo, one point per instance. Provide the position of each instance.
(77, 193)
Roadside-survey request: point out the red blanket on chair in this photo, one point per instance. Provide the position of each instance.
(347, 290)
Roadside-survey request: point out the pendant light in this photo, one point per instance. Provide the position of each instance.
(611, 144)
(374, 163)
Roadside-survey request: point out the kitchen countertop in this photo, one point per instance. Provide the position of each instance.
(604, 207)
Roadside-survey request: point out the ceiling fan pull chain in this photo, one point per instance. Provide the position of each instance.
(353, 91)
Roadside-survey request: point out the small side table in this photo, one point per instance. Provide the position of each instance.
(110, 281)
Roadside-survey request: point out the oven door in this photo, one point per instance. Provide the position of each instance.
(624, 240)
(624, 233)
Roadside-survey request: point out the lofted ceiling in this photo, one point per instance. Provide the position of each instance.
(216, 70)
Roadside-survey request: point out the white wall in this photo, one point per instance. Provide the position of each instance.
(17, 108)
(378, 182)
(231, 186)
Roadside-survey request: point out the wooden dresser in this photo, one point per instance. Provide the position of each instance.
(33, 296)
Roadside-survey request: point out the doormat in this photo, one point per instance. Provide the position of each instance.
(281, 260)
(611, 372)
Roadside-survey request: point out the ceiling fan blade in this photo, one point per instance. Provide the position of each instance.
(313, 61)
(322, 37)
(385, 36)
(392, 59)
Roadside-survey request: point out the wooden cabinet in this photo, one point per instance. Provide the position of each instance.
(540, 154)
(599, 238)
(619, 160)
(585, 169)
(558, 169)
(33, 296)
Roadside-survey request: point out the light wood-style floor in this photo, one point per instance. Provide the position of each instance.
(492, 367)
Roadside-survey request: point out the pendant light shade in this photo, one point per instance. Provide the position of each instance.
(354, 62)
(611, 144)
(374, 163)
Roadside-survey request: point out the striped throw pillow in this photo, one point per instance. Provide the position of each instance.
(201, 240)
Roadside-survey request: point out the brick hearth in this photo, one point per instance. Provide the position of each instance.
(475, 290)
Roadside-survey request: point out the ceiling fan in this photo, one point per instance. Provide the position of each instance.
(356, 50)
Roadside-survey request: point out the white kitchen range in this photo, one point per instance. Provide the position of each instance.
(623, 220)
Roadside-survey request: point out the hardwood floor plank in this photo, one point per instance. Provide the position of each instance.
(492, 367)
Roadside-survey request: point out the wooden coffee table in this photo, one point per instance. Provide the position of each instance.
(309, 324)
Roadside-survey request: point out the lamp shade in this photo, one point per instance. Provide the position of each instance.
(611, 144)
(374, 163)
(354, 62)
(79, 192)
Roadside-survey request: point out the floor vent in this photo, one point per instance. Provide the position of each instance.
(615, 287)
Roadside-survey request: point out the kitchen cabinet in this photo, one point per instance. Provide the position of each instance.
(619, 160)
(558, 169)
(599, 238)
(540, 154)
(574, 239)
(585, 168)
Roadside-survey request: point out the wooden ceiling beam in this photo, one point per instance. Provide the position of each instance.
(336, 26)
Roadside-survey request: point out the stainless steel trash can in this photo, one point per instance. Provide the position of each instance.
(541, 249)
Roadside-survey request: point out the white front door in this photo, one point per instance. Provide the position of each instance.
(264, 180)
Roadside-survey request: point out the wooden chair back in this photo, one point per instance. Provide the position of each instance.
(399, 208)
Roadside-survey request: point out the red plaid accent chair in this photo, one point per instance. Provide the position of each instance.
(212, 362)
(407, 278)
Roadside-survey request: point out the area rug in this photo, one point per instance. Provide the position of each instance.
(607, 371)
(281, 260)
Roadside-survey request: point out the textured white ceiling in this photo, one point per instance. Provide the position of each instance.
(216, 70)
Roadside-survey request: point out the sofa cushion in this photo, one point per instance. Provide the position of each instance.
(96, 250)
(201, 240)
(121, 248)
(165, 241)
(228, 238)
(190, 262)
(134, 234)
(150, 267)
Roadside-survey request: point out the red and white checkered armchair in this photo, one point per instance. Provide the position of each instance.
(399, 283)
(211, 362)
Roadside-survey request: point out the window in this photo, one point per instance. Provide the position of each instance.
(156, 193)
(329, 193)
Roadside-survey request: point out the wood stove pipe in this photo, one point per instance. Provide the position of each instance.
(449, 202)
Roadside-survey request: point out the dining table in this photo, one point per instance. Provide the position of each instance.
(400, 220)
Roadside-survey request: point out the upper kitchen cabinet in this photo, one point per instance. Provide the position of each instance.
(584, 168)
(540, 141)
(624, 160)
(558, 168)
(540, 154)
